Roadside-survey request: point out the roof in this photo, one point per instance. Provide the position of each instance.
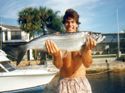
(113, 37)
(10, 27)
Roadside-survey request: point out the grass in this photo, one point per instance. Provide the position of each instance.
(104, 56)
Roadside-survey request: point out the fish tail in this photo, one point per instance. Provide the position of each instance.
(15, 52)
(21, 52)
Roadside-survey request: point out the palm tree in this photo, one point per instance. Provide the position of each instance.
(29, 21)
(34, 21)
(50, 19)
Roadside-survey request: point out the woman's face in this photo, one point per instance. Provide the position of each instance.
(71, 25)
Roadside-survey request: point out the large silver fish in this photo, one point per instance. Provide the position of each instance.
(65, 41)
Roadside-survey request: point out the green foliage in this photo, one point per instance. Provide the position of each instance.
(28, 20)
(33, 20)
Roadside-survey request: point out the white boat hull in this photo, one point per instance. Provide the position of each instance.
(25, 80)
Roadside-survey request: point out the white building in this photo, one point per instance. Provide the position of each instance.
(13, 35)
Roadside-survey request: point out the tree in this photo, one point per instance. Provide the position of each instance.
(34, 21)
(28, 20)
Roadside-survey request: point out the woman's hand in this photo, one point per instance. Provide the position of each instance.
(55, 52)
(52, 47)
(90, 43)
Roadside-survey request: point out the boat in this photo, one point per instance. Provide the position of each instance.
(3, 56)
(12, 78)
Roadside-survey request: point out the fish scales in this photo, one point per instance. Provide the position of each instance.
(68, 41)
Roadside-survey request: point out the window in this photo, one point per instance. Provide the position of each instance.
(6, 38)
(15, 35)
(0, 39)
(8, 66)
(1, 69)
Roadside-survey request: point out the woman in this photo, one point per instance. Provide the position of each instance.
(72, 65)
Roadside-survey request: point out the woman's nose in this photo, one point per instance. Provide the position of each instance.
(69, 23)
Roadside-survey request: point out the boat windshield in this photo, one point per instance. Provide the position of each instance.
(8, 66)
(2, 70)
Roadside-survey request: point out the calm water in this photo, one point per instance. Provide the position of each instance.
(108, 83)
(101, 83)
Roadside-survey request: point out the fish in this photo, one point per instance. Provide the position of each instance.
(65, 41)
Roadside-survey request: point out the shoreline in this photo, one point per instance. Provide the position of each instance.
(106, 64)
(106, 67)
(98, 65)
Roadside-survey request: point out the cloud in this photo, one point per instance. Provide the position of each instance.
(84, 8)
(12, 7)
(62, 5)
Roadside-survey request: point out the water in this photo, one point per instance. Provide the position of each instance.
(37, 89)
(108, 83)
(100, 83)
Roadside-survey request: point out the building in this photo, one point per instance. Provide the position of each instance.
(110, 44)
(13, 34)
(11, 37)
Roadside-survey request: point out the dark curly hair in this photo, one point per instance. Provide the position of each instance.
(70, 13)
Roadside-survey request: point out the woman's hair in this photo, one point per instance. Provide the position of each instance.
(70, 13)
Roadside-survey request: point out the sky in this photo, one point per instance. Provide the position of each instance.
(105, 16)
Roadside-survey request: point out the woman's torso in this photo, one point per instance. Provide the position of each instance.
(72, 65)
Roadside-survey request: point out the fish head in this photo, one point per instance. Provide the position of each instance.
(98, 37)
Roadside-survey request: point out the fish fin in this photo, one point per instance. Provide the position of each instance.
(100, 39)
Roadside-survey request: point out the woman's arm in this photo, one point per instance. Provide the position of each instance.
(86, 51)
(55, 52)
(57, 59)
(86, 57)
